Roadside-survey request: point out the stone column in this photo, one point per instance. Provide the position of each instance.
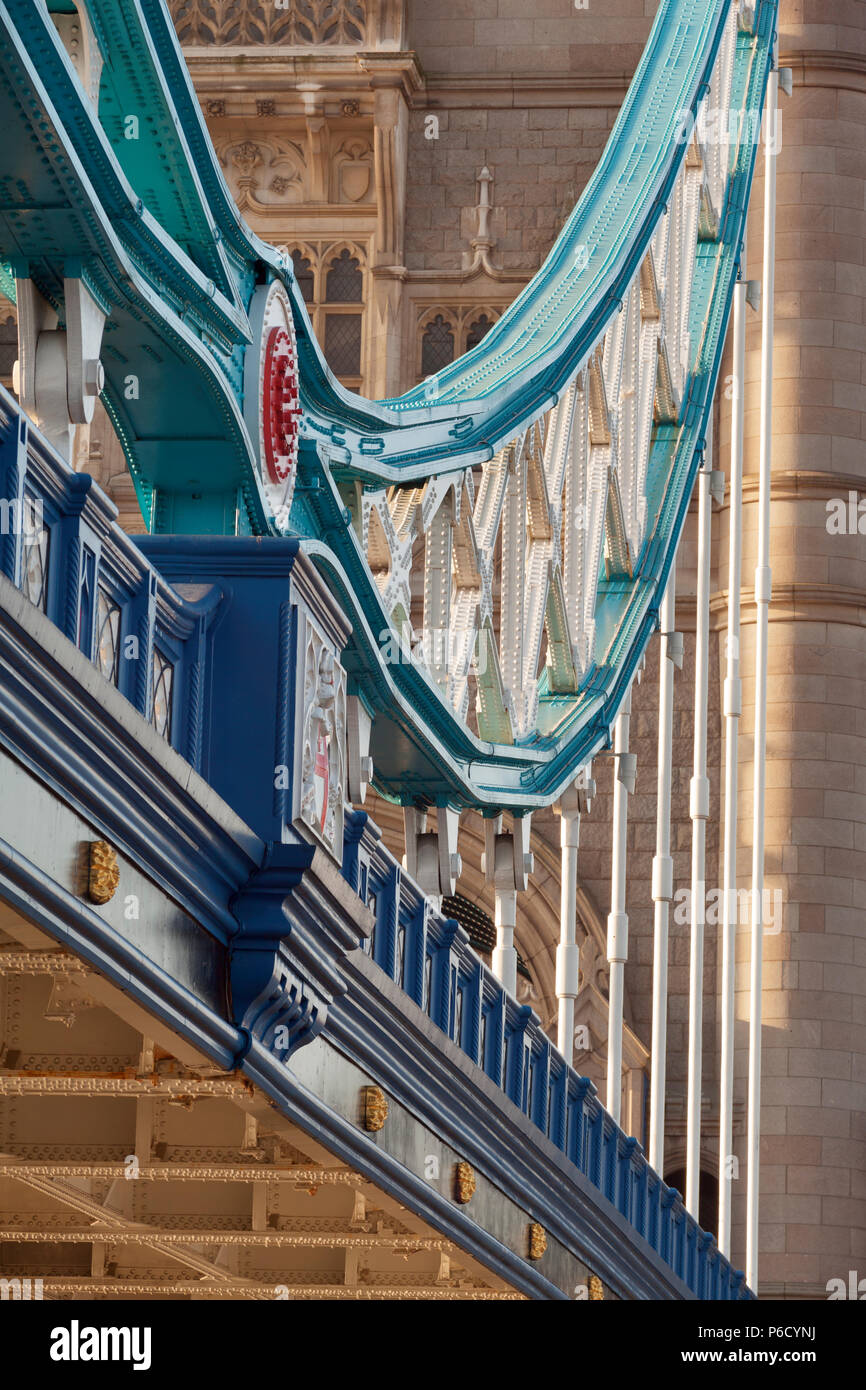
(391, 125)
(813, 1188)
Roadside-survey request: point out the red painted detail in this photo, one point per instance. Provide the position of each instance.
(322, 777)
(281, 407)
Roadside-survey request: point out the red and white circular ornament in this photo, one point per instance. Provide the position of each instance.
(271, 393)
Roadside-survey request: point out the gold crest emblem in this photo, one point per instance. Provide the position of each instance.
(103, 873)
(464, 1182)
(537, 1241)
(375, 1108)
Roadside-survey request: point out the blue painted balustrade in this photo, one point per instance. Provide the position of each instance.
(429, 956)
(198, 633)
(61, 545)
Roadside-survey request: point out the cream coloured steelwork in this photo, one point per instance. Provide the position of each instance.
(762, 602)
(171, 1178)
(733, 700)
(552, 511)
(671, 656)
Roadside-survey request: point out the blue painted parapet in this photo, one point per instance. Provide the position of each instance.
(60, 544)
(275, 680)
(429, 956)
(275, 921)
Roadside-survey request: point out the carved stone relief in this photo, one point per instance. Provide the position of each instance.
(265, 21)
(320, 747)
(353, 165)
(264, 173)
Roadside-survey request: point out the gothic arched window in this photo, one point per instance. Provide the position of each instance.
(331, 281)
(343, 344)
(304, 276)
(437, 345)
(345, 283)
(477, 331)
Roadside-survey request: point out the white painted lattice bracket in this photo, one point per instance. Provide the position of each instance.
(58, 375)
(431, 856)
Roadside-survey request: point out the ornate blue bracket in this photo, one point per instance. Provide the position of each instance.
(294, 929)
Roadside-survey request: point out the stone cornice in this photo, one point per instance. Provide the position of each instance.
(221, 72)
(275, 69)
(792, 485)
(490, 274)
(498, 91)
(250, 72)
(826, 68)
(803, 483)
(350, 219)
(790, 1290)
(830, 603)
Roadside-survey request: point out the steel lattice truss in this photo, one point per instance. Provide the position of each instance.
(510, 553)
(499, 537)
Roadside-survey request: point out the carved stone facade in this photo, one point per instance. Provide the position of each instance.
(238, 22)
(446, 148)
(320, 750)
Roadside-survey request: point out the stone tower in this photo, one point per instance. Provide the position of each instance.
(813, 1179)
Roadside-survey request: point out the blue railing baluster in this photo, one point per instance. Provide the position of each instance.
(506, 1039)
(474, 1007)
(84, 544)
